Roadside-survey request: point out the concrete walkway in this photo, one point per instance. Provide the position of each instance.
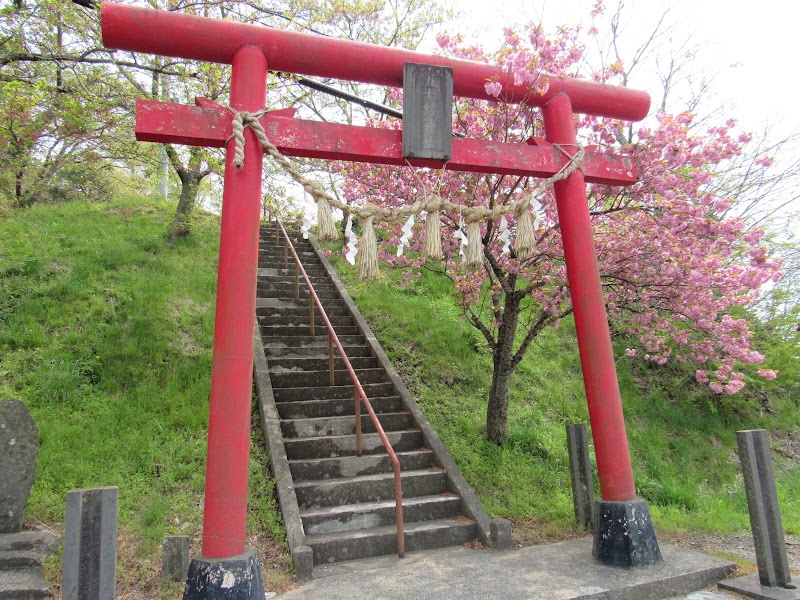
(552, 572)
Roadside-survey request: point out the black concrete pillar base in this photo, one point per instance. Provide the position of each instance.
(624, 534)
(234, 578)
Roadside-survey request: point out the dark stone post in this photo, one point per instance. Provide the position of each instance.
(580, 469)
(762, 503)
(501, 534)
(774, 579)
(19, 450)
(175, 558)
(90, 544)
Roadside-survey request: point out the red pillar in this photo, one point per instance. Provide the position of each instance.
(225, 516)
(591, 321)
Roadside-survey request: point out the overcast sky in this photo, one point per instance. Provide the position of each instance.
(750, 48)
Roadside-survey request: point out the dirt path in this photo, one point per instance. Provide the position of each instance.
(736, 547)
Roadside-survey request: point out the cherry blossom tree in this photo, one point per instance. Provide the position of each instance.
(675, 265)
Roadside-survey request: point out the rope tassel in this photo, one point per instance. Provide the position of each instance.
(474, 246)
(433, 236)
(368, 257)
(326, 228)
(525, 237)
(368, 265)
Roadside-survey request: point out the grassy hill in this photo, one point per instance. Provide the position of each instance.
(682, 436)
(106, 333)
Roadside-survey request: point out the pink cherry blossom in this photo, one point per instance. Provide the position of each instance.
(494, 88)
(675, 266)
(768, 374)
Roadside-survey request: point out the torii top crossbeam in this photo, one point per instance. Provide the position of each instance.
(211, 40)
(253, 50)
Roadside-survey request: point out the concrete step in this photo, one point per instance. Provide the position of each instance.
(275, 256)
(16, 559)
(310, 262)
(331, 446)
(272, 259)
(368, 488)
(270, 287)
(269, 245)
(288, 281)
(303, 320)
(351, 466)
(311, 265)
(321, 364)
(305, 330)
(302, 306)
(314, 273)
(319, 352)
(268, 238)
(19, 584)
(310, 409)
(287, 292)
(288, 309)
(275, 276)
(365, 515)
(292, 309)
(275, 279)
(316, 427)
(283, 378)
(28, 540)
(301, 325)
(329, 392)
(363, 543)
(318, 341)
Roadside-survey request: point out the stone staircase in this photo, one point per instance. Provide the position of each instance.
(21, 564)
(338, 506)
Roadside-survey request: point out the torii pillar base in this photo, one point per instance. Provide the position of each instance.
(234, 578)
(624, 534)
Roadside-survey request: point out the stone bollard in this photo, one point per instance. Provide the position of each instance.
(501, 534)
(175, 558)
(90, 544)
(580, 469)
(19, 450)
(774, 578)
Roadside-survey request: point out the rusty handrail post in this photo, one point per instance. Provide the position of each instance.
(398, 508)
(358, 421)
(296, 282)
(359, 395)
(311, 311)
(330, 359)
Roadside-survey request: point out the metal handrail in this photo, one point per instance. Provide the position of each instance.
(359, 395)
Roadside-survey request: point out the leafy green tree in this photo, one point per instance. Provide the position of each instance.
(51, 128)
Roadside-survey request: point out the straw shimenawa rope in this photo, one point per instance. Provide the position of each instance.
(432, 204)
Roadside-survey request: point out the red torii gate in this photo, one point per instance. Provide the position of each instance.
(252, 50)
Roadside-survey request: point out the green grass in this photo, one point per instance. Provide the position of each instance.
(106, 334)
(683, 442)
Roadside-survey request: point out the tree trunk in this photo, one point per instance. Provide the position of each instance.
(19, 189)
(190, 182)
(497, 410)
